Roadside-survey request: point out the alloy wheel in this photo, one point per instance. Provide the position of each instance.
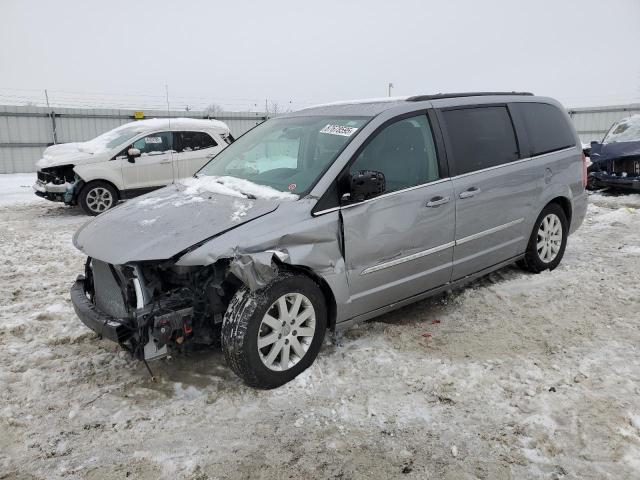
(549, 238)
(286, 331)
(99, 199)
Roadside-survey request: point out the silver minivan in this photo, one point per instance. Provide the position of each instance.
(329, 216)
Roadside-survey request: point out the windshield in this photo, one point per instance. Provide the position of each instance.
(626, 130)
(287, 154)
(111, 139)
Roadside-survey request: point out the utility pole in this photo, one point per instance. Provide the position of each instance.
(52, 115)
(166, 91)
(390, 86)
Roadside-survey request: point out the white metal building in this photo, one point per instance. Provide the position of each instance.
(594, 122)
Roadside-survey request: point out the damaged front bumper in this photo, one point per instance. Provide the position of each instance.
(146, 311)
(118, 330)
(58, 184)
(618, 181)
(133, 335)
(56, 193)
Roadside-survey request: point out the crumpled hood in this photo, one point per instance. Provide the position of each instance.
(602, 152)
(159, 225)
(66, 154)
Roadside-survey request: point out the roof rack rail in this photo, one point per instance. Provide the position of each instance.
(437, 96)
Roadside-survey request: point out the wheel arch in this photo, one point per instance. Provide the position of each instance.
(101, 171)
(330, 299)
(86, 184)
(565, 204)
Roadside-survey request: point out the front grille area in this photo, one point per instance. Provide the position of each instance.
(109, 297)
(44, 176)
(630, 166)
(57, 175)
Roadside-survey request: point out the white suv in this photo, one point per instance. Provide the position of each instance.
(128, 161)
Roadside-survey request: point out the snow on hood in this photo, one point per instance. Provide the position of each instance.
(626, 130)
(69, 156)
(60, 149)
(235, 187)
(159, 225)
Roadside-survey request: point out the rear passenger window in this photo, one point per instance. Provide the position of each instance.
(480, 137)
(547, 128)
(192, 141)
(404, 151)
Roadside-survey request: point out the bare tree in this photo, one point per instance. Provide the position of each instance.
(213, 110)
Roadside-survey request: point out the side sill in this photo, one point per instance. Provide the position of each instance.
(346, 324)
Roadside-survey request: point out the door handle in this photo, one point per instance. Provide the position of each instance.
(165, 161)
(210, 156)
(470, 192)
(437, 201)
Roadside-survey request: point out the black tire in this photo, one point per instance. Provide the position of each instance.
(532, 260)
(97, 197)
(242, 323)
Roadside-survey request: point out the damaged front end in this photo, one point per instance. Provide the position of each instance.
(58, 184)
(151, 307)
(621, 173)
(616, 161)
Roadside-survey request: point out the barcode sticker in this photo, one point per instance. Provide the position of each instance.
(152, 139)
(339, 130)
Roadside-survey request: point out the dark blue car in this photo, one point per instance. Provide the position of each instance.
(616, 161)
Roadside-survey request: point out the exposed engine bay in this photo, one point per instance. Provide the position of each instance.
(152, 307)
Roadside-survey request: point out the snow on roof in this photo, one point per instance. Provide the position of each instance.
(119, 135)
(361, 100)
(180, 122)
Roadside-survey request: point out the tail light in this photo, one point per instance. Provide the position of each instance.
(584, 171)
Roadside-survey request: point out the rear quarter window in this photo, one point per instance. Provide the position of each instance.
(480, 137)
(547, 127)
(192, 141)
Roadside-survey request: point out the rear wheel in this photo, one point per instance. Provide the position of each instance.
(97, 197)
(548, 240)
(273, 334)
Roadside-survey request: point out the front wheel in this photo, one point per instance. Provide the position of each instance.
(548, 240)
(97, 197)
(273, 334)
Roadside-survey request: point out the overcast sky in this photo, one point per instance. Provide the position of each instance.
(239, 53)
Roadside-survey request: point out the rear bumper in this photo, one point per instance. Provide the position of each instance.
(578, 211)
(115, 329)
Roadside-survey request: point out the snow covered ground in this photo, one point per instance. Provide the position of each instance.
(16, 187)
(516, 376)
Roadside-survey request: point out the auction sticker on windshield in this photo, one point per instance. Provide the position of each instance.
(339, 130)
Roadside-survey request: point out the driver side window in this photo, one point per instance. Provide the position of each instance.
(154, 143)
(404, 152)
